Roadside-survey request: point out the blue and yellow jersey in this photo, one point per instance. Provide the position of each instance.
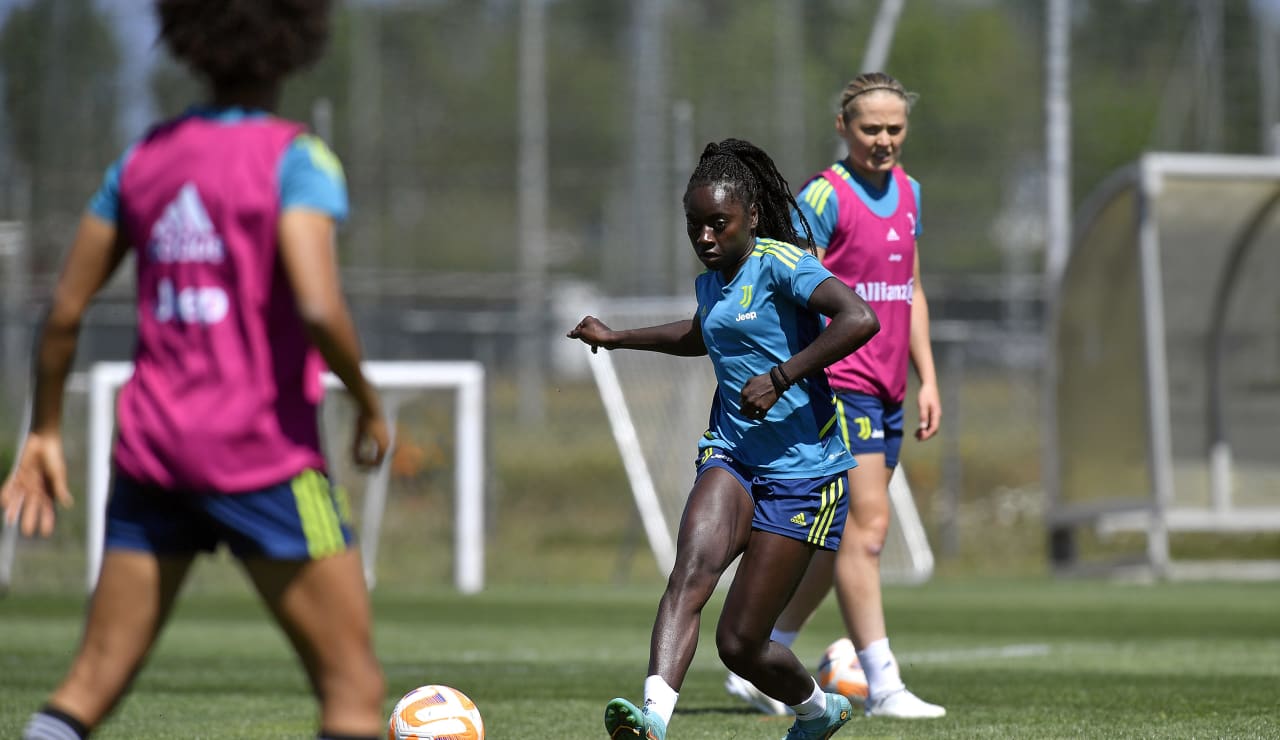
(310, 174)
(820, 203)
(755, 321)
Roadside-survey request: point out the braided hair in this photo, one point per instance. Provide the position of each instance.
(754, 180)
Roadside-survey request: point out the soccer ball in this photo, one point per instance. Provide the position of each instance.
(840, 673)
(435, 712)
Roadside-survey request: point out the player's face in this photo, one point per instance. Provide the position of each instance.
(721, 228)
(875, 133)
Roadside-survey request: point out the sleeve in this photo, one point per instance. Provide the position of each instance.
(797, 281)
(105, 203)
(915, 190)
(821, 209)
(311, 177)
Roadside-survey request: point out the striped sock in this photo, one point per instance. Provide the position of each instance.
(54, 724)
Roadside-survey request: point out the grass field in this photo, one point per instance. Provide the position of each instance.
(1009, 658)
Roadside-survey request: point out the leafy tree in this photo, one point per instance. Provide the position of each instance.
(59, 59)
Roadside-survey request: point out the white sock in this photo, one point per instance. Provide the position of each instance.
(659, 698)
(45, 726)
(783, 637)
(881, 668)
(812, 707)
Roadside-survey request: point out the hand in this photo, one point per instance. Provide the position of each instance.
(930, 412)
(371, 440)
(592, 331)
(758, 396)
(38, 482)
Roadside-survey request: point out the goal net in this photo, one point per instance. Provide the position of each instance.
(400, 503)
(658, 407)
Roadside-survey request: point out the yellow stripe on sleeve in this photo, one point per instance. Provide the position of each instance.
(785, 259)
(819, 196)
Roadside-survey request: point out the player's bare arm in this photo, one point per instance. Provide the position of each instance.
(681, 338)
(39, 478)
(308, 253)
(929, 399)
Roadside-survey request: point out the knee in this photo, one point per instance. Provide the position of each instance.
(694, 575)
(868, 535)
(738, 652)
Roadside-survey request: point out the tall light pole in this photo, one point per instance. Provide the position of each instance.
(788, 78)
(648, 247)
(532, 211)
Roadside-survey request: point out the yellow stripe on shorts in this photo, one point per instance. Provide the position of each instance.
(844, 424)
(320, 522)
(831, 495)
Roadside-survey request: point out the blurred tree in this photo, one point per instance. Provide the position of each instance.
(61, 109)
(977, 122)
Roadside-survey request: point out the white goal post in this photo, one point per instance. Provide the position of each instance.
(396, 382)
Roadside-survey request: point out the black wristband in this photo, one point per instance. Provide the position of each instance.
(778, 378)
(783, 373)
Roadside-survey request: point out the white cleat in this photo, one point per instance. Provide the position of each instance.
(745, 690)
(902, 704)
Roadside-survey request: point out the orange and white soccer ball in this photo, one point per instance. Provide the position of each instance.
(435, 712)
(840, 673)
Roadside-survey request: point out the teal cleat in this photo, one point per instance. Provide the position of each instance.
(839, 711)
(624, 721)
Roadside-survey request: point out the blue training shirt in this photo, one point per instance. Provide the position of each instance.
(757, 320)
(310, 174)
(820, 203)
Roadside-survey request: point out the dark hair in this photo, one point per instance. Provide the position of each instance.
(754, 179)
(234, 42)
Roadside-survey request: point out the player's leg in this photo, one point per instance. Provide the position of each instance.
(714, 529)
(857, 578)
(857, 564)
(813, 589)
(767, 575)
(129, 606)
(151, 540)
(770, 570)
(296, 544)
(323, 607)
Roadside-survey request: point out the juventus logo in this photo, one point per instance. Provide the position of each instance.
(864, 427)
(746, 295)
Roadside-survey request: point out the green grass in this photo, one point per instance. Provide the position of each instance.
(1009, 658)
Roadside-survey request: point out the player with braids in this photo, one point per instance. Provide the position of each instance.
(770, 470)
(231, 213)
(865, 212)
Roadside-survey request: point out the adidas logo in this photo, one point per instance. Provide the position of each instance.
(184, 232)
(893, 235)
(799, 519)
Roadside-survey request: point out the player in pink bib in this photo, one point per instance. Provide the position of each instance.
(865, 215)
(231, 214)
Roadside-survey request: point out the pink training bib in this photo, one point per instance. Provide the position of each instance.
(226, 384)
(876, 257)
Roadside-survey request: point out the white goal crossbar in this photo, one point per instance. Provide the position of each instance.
(396, 382)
